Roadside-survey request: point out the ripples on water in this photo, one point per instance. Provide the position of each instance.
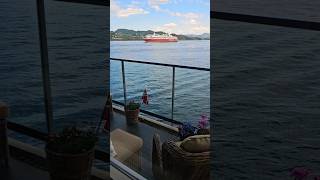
(191, 86)
(266, 92)
(77, 50)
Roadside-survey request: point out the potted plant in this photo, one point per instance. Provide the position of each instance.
(132, 112)
(70, 154)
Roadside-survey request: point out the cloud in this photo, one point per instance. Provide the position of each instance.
(169, 27)
(155, 4)
(186, 15)
(196, 26)
(184, 28)
(131, 11)
(125, 12)
(191, 23)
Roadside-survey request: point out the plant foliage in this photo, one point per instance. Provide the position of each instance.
(72, 140)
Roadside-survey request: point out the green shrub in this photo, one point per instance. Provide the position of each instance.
(72, 140)
(133, 106)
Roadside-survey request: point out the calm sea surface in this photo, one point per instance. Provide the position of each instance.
(77, 51)
(192, 92)
(266, 91)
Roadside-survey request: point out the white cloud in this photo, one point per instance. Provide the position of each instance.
(184, 28)
(125, 12)
(186, 15)
(170, 25)
(158, 1)
(191, 23)
(155, 4)
(196, 26)
(200, 29)
(131, 11)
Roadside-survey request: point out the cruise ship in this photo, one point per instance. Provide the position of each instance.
(160, 38)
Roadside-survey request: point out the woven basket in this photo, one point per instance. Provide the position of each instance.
(70, 166)
(132, 116)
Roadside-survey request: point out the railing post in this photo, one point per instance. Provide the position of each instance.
(124, 86)
(45, 63)
(4, 150)
(172, 93)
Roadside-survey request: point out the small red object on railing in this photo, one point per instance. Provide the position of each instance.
(145, 97)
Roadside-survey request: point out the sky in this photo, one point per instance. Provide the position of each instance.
(171, 16)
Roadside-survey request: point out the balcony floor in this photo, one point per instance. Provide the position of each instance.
(145, 132)
(19, 170)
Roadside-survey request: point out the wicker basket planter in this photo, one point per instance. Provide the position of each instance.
(132, 112)
(132, 116)
(70, 154)
(70, 166)
(203, 131)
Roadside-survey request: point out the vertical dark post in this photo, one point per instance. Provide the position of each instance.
(124, 86)
(172, 93)
(45, 63)
(4, 151)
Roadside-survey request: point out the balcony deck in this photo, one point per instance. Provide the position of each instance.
(145, 132)
(29, 162)
(19, 170)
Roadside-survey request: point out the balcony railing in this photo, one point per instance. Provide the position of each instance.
(41, 136)
(173, 66)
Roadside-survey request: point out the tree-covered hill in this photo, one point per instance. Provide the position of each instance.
(127, 35)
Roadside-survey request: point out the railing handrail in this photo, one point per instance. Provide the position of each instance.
(99, 154)
(152, 114)
(263, 20)
(173, 66)
(161, 64)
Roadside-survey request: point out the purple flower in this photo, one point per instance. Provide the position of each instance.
(203, 122)
(300, 173)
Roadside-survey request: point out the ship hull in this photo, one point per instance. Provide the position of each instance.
(160, 40)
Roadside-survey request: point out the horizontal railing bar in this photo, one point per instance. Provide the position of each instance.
(99, 154)
(27, 131)
(308, 25)
(93, 2)
(161, 64)
(152, 114)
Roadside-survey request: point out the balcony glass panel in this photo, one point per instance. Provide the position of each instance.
(266, 90)
(20, 64)
(295, 9)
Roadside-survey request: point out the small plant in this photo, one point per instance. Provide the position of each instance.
(132, 112)
(72, 140)
(133, 105)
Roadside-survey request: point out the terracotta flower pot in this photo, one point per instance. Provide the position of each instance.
(132, 116)
(70, 166)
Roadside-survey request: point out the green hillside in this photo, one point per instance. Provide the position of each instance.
(131, 35)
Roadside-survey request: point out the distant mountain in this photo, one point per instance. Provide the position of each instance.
(129, 35)
(202, 36)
